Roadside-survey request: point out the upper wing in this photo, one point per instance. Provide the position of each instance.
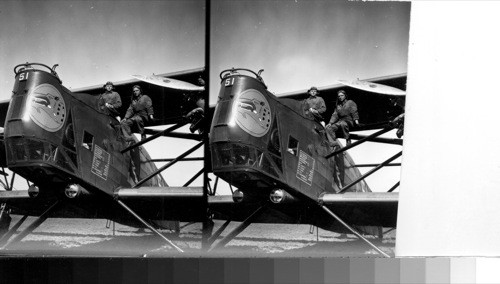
(375, 110)
(169, 105)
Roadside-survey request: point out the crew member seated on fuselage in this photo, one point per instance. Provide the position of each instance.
(138, 113)
(110, 102)
(314, 106)
(344, 116)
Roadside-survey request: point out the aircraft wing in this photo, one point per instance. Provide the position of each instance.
(152, 203)
(170, 105)
(355, 208)
(375, 109)
(21, 203)
(6, 196)
(224, 208)
(168, 193)
(364, 208)
(168, 203)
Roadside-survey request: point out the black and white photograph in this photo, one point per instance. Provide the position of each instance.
(230, 129)
(291, 83)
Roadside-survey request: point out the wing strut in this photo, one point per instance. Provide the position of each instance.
(374, 165)
(149, 226)
(217, 233)
(184, 160)
(12, 181)
(11, 232)
(174, 134)
(170, 129)
(354, 231)
(33, 225)
(378, 133)
(240, 228)
(215, 186)
(371, 171)
(169, 164)
(193, 178)
(393, 187)
(8, 186)
(392, 141)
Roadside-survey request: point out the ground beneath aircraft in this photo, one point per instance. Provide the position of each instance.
(87, 237)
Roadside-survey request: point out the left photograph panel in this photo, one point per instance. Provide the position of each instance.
(102, 127)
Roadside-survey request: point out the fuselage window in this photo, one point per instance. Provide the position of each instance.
(88, 140)
(293, 146)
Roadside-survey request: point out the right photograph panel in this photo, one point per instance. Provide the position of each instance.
(308, 124)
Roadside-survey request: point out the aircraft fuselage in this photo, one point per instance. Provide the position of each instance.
(260, 142)
(57, 139)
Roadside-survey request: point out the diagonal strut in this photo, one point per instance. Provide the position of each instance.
(240, 228)
(378, 133)
(148, 226)
(170, 129)
(354, 231)
(33, 225)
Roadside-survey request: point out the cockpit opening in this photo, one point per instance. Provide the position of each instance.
(228, 156)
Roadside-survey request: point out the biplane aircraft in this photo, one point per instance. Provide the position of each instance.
(77, 161)
(267, 147)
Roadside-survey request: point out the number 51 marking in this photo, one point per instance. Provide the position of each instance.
(23, 76)
(229, 82)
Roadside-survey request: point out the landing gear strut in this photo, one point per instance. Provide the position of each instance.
(33, 225)
(353, 231)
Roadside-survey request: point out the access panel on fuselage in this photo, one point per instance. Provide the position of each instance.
(304, 147)
(99, 143)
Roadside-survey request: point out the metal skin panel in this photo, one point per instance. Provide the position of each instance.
(302, 129)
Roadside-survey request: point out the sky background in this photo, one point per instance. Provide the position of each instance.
(304, 43)
(98, 41)
(297, 43)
